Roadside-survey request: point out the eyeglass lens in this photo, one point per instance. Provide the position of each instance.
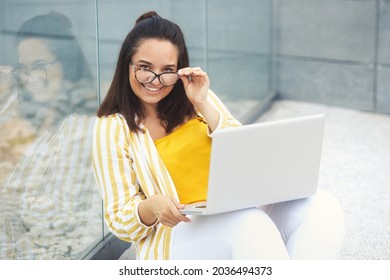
(146, 76)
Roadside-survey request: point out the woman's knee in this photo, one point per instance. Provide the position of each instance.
(322, 209)
(255, 219)
(321, 230)
(327, 206)
(256, 237)
(254, 225)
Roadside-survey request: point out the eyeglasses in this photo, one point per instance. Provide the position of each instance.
(35, 77)
(146, 76)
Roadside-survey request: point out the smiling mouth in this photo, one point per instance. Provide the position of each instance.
(151, 89)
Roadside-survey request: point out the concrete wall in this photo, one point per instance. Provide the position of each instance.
(334, 52)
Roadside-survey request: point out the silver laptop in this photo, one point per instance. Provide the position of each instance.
(262, 163)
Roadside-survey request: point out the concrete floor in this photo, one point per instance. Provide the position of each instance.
(355, 167)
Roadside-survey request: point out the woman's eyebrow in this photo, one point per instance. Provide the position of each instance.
(144, 61)
(149, 63)
(170, 65)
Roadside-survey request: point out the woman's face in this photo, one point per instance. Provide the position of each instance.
(45, 76)
(158, 56)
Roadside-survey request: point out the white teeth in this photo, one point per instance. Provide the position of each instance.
(151, 89)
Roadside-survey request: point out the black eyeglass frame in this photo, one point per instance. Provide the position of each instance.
(137, 68)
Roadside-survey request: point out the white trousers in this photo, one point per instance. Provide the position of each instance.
(310, 228)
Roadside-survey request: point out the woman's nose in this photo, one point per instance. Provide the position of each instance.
(156, 81)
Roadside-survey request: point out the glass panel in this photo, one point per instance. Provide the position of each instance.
(49, 204)
(239, 53)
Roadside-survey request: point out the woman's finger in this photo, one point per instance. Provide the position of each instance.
(189, 71)
(176, 212)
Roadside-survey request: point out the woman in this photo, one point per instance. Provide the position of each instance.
(151, 152)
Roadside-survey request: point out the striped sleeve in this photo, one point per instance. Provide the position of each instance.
(226, 119)
(112, 165)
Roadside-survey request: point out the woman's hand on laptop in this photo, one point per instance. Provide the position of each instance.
(162, 208)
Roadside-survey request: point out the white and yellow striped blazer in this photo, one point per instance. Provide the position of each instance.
(128, 169)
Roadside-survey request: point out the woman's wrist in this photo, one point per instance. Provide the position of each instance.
(145, 213)
(210, 114)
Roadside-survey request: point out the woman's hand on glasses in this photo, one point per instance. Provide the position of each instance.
(196, 84)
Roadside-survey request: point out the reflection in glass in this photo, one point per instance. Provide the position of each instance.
(49, 203)
(36, 76)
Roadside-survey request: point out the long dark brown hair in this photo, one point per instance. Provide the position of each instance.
(120, 98)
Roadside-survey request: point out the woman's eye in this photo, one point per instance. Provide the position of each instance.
(168, 70)
(146, 67)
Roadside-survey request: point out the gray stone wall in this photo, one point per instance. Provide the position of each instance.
(334, 52)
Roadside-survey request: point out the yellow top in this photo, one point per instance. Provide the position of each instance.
(186, 154)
